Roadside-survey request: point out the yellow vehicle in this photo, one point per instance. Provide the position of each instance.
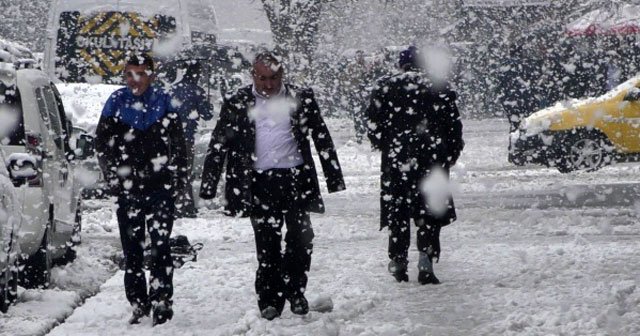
(582, 134)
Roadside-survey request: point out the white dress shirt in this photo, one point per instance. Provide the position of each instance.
(275, 145)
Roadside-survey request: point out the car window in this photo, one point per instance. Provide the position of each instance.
(11, 119)
(49, 110)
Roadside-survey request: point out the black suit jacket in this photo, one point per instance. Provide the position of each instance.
(233, 142)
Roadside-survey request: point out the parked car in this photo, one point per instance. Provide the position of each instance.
(582, 134)
(34, 135)
(10, 221)
(16, 53)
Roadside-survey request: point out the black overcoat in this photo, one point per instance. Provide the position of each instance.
(417, 126)
(233, 141)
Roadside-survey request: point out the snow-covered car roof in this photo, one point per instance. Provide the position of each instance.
(14, 52)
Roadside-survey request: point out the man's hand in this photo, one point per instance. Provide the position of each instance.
(113, 186)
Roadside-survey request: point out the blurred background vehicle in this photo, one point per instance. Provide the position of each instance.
(582, 134)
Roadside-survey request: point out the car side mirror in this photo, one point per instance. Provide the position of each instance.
(633, 95)
(22, 168)
(85, 147)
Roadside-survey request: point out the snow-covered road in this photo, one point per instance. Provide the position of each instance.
(534, 252)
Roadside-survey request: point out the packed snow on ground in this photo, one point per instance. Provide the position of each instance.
(534, 252)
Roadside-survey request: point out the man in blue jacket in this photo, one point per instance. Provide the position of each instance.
(141, 150)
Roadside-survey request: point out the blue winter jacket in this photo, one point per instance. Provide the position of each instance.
(140, 142)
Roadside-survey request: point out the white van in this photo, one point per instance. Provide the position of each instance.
(34, 135)
(89, 39)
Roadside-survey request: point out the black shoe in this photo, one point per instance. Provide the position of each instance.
(425, 278)
(138, 313)
(401, 276)
(299, 305)
(186, 214)
(399, 271)
(270, 313)
(162, 313)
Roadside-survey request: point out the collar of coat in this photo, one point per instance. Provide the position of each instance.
(244, 100)
(246, 94)
(257, 94)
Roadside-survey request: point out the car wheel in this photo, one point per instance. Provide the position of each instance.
(8, 289)
(37, 268)
(587, 151)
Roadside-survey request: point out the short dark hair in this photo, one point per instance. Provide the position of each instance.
(141, 59)
(409, 58)
(268, 58)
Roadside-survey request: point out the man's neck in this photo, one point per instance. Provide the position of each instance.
(262, 96)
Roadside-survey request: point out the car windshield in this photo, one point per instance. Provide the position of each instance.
(633, 82)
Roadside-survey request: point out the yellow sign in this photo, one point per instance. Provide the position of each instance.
(90, 45)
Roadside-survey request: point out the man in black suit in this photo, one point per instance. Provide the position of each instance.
(263, 136)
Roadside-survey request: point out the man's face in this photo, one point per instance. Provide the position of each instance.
(138, 78)
(267, 79)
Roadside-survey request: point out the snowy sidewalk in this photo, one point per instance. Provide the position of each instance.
(570, 271)
(523, 269)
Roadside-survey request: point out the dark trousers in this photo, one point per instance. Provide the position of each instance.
(153, 213)
(428, 238)
(281, 274)
(184, 203)
(406, 200)
(358, 108)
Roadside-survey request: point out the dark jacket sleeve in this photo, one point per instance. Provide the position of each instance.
(205, 109)
(105, 141)
(375, 118)
(323, 143)
(178, 160)
(216, 154)
(452, 130)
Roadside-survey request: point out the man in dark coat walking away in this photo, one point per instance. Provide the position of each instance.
(192, 105)
(264, 135)
(141, 150)
(416, 125)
